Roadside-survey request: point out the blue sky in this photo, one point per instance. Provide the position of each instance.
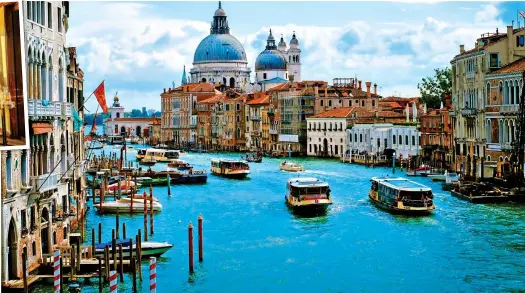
(139, 48)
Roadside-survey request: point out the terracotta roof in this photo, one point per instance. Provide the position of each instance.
(259, 98)
(343, 112)
(400, 99)
(516, 66)
(214, 99)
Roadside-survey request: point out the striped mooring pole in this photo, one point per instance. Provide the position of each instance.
(56, 271)
(152, 275)
(113, 284)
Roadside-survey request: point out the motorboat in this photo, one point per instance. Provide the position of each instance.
(291, 167)
(148, 248)
(179, 164)
(423, 170)
(438, 177)
(147, 161)
(124, 205)
(451, 181)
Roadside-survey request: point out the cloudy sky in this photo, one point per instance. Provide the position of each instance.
(139, 48)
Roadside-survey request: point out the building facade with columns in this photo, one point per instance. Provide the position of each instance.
(470, 93)
(117, 124)
(327, 132)
(41, 187)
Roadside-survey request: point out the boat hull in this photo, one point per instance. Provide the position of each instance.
(480, 198)
(146, 251)
(308, 207)
(396, 210)
(232, 175)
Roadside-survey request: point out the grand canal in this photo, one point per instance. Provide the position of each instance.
(254, 244)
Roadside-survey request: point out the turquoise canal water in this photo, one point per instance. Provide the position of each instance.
(252, 243)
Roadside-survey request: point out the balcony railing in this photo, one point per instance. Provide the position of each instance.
(470, 74)
(45, 182)
(256, 118)
(468, 112)
(43, 109)
(67, 110)
(506, 146)
(509, 108)
(274, 131)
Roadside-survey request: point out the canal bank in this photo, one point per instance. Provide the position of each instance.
(252, 243)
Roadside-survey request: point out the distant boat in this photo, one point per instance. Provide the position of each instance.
(95, 145)
(236, 169)
(147, 181)
(438, 177)
(308, 196)
(451, 181)
(179, 164)
(423, 170)
(291, 167)
(148, 161)
(400, 195)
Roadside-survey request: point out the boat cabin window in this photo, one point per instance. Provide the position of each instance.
(415, 195)
(296, 191)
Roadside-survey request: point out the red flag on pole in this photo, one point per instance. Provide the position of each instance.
(100, 93)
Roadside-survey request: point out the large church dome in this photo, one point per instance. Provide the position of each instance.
(219, 48)
(270, 58)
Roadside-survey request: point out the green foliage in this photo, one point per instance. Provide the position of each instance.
(433, 89)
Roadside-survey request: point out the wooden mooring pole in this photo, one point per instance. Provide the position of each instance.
(145, 196)
(24, 271)
(201, 254)
(190, 246)
(117, 226)
(151, 209)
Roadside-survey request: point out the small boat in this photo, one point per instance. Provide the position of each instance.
(423, 170)
(179, 164)
(161, 155)
(276, 154)
(438, 177)
(255, 158)
(177, 177)
(123, 205)
(291, 167)
(147, 181)
(308, 196)
(236, 169)
(95, 145)
(149, 248)
(148, 162)
(451, 181)
(479, 193)
(141, 197)
(400, 195)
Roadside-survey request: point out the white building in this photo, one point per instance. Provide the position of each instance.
(375, 138)
(220, 58)
(117, 124)
(326, 132)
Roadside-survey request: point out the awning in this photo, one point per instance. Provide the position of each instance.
(41, 128)
(77, 121)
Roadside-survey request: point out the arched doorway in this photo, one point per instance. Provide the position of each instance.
(325, 147)
(12, 245)
(44, 230)
(232, 82)
(63, 154)
(123, 130)
(138, 131)
(203, 79)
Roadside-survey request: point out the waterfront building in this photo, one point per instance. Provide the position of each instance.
(502, 105)
(42, 187)
(180, 113)
(220, 58)
(327, 132)
(375, 138)
(234, 122)
(437, 135)
(118, 124)
(258, 122)
(12, 111)
(206, 120)
(154, 131)
(470, 89)
(345, 92)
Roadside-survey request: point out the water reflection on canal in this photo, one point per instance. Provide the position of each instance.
(254, 244)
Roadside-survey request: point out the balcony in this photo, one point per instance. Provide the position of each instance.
(256, 118)
(470, 74)
(45, 182)
(468, 112)
(43, 109)
(274, 131)
(509, 108)
(506, 146)
(256, 133)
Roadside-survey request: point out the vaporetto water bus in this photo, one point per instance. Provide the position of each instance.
(400, 195)
(237, 169)
(308, 195)
(161, 155)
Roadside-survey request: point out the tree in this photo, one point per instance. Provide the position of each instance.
(136, 113)
(433, 89)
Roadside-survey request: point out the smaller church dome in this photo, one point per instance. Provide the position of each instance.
(294, 41)
(270, 58)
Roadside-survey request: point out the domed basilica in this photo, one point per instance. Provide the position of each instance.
(220, 59)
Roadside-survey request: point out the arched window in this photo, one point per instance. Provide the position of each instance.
(400, 139)
(264, 75)
(349, 103)
(118, 115)
(322, 103)
(238, 132)
(394, 139)
(361, 137)
(329, 103)
(232, 82)
(203, 79)
(406, 139)
(355, 137)
(363, 103)
(373, 103)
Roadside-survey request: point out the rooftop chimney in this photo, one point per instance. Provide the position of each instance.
(497, 31)
(368, 85)
(375, 88)
(360, 86)
(461, 49)
(448, 100)
(164, 90)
